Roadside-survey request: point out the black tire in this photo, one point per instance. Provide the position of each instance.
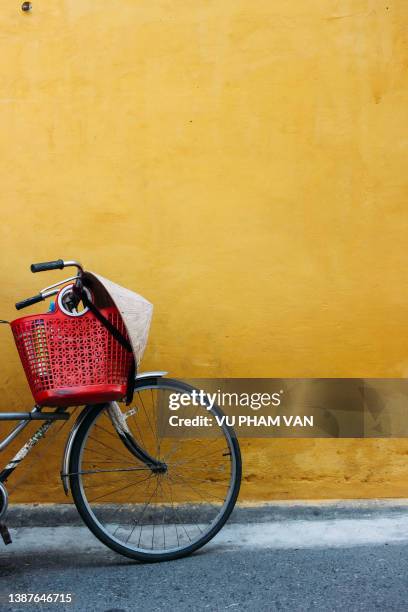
(88, 516)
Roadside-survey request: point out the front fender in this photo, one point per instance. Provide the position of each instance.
(70, 440)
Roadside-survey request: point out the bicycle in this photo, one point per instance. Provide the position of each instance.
(144, 494)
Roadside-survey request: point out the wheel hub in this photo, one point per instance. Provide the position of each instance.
(160, 468)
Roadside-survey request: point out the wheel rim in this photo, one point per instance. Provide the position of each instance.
(151, 513)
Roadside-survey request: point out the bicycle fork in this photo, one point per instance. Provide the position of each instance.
(119, 422)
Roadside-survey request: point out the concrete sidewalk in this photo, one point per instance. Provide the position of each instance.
(272, 526)
(331, 556)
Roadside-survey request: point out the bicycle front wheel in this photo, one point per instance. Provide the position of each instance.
(151, 515)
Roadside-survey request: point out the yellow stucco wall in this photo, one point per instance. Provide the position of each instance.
(243, 165)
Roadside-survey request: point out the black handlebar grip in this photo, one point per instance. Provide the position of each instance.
(29, 301)
(47, 265)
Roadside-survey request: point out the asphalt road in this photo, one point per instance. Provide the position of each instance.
(350, 556)
(365, 578)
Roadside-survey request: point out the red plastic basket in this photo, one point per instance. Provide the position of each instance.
(71, 361)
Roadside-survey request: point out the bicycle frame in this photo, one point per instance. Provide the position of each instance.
(36, 414)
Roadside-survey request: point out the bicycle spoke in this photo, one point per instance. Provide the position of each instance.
(109, 447)
(195, 490)
(190, 459)
(132, 484)
(175, 509)
(147, 417)
(141, 516)
(109, 471)
(193, 457)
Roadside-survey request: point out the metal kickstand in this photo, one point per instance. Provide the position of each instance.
(5, 534)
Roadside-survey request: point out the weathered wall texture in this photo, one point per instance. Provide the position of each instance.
(243, 165)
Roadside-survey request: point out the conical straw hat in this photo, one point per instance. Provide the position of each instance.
(135, 310)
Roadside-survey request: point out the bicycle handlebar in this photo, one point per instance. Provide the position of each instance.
(30, 301)
(58, 264)
(45, 266)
